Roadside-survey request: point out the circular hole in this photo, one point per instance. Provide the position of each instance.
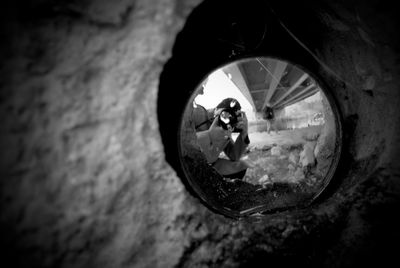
(259, 135)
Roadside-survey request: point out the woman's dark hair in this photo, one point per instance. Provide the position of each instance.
(229, 103)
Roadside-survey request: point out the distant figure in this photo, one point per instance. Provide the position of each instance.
(268, 114)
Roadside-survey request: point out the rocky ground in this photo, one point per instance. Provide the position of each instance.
(283, 157)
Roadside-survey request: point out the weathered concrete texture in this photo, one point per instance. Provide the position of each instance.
(83, 177)
(84, 182)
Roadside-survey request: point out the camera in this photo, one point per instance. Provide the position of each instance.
(228, 119)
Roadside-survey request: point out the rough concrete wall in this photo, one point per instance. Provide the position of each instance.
(364, 52)
(83, 177)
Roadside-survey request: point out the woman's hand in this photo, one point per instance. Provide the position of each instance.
(243, 124)
(219, 137)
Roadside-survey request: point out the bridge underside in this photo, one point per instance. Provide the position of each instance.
(269, 82)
